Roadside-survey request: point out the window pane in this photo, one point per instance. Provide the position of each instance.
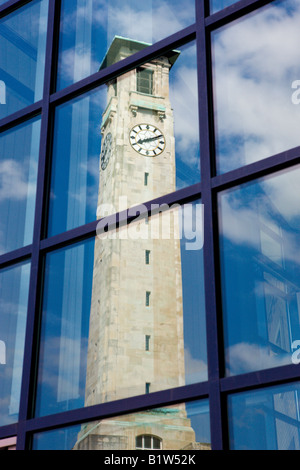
(89, 27)
(19, 151)
(138, 131)
(75, 163)
(183, 426)
(266, 419)
(94, 319)
(260, 226)
(14, 285)
(22, 56)
(64, 331)
(256, 85)
(8, 444)
(147, 442)
(216, 5)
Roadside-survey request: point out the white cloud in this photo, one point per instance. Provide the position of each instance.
(13, 184)
(195, 369)
(246, 357)
(278, 199)
(255, 63)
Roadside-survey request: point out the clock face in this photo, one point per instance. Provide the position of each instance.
(106, 151)
(147, 140)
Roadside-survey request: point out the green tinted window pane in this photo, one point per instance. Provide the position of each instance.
(95, 320)
(88, 28)
(22, 56)
(183, 426)
(117, 146)
(19, 151)
(259, 246)
(265, 419)
(256, 86)
(14, 286)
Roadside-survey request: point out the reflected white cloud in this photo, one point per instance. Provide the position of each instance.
(247, 357)
(275, 203)
(13, 183)
(2, 352)
(256, 61)
(195, 368)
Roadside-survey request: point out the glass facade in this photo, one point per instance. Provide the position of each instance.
(14, 286)
(191, 421)
(266, 419)
(149, 229)
(22, 56)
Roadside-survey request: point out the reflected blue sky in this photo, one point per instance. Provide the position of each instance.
(77, 146)
(14, 286)
(22, 55)
(216, 5)
(259, 247)
(255, 61)
(89, 26)
(19, 151)
(267, 419)
(65, 438)
(65, 322)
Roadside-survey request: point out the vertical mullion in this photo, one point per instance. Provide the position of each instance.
(30, 343)
(206, 155)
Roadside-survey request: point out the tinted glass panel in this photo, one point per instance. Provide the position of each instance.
(183, 426)
(14, 285)
(266, 419)
(256, 85)
(140, 145)
(88, 28)
(22, 56)
(216, 5)
(64, 333)
(95, 320)
(260, 265)
(75, 163)
(19, 151)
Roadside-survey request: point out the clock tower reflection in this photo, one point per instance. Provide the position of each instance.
(136, 343)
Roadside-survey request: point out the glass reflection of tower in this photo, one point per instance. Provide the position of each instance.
(136, 341)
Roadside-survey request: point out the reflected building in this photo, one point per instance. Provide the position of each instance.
(136, 342)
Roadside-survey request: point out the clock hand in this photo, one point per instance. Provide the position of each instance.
(149, 139)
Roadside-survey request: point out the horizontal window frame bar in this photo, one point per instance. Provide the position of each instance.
(10, 430)
(86, 231)
(15, 257)
(264, 167)
(233, 12)
(136, 404)
(147, 54)
(257, 380)
(21, 116)
(11, 5)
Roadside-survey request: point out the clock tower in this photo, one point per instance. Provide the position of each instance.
(136, 343)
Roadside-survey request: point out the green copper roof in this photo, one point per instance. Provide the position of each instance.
(125, 47)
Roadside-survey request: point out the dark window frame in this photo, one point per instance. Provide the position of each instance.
(217, 386)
